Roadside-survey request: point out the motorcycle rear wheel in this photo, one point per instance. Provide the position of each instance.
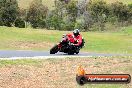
(77, 52)
(70, 53)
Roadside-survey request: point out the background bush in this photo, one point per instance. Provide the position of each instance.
(20, 23)
(87, 15)
(37, 13)
(8, 12)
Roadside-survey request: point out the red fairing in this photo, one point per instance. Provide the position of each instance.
(71, 37)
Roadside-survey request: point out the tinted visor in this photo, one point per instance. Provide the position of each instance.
(76, 34)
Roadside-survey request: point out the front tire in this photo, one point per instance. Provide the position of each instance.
(54, 49)
(81, 80)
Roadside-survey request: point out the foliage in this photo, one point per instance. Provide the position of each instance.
(87, 15)
(22, 13)
(120, 10)
(8, 12)
(19, 23)
(37, 13)
(116, 13)
(54, 21)
(72, 9)
(98, 8)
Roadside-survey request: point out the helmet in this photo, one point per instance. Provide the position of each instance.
(76, 32)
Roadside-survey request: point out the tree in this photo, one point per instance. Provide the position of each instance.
(130, 6)
(120, 10)
(54, 20)
(72, 10)
(8, 12)
(98, 13)
(37, 14)
(88, 21)
(97, 8)
(82, 6)
(19, 23)
(22, 13)
(63, 16)
(130, 13)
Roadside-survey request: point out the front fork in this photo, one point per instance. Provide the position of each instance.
(59, 45)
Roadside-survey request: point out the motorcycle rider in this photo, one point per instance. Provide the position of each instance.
(73, 41)
(75, 38)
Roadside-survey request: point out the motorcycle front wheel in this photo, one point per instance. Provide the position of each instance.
(54, 49)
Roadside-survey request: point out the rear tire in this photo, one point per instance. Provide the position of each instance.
(70, 53)
(77, 52)
(54, 49)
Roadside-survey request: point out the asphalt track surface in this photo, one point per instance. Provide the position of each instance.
(28, 53)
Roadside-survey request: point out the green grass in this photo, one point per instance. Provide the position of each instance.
(50, 3)
(104, 42)
(123, 1)
(26, 3)
(127, 30)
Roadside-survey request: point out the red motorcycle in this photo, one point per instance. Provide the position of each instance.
(66, 46)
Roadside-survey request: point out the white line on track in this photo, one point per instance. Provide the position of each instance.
(46, 57)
